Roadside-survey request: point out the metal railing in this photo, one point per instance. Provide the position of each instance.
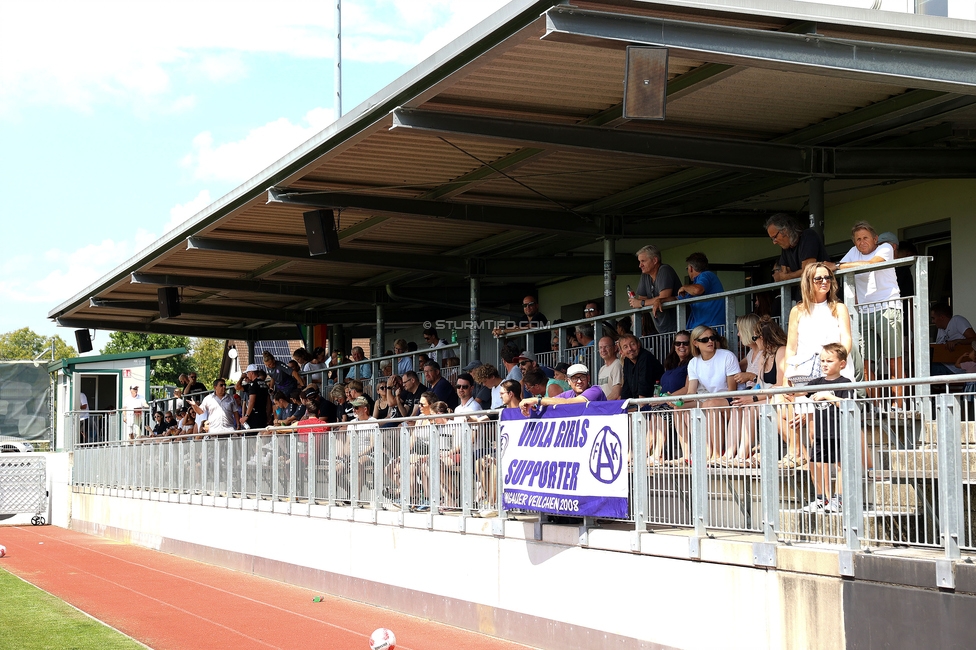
(354, 369)
(912, 358)
(901, 469)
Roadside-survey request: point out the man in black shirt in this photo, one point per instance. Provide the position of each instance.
(532, 318)
(256, 402)
(194, 387)
(800, 247)
(406, 393)
(641, 368)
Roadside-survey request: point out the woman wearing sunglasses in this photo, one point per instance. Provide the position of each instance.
(820, 318)
(711, 370)
(770, 362)
(673, 382)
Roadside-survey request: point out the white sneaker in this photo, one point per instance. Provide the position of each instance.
(834, 505)
(815, 506)
(487, 512)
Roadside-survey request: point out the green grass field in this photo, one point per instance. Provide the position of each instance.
(33, 619)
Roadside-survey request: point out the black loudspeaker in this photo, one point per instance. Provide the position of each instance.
(83, 341)
(169, 302)
(646, 83)
(320, 228)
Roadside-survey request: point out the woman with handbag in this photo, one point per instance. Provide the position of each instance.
(820, 318)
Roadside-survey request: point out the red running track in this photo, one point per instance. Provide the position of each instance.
(170, 603)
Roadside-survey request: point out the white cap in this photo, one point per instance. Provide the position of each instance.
(251, 368)
(577, 369)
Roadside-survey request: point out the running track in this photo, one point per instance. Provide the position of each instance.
(168, 602)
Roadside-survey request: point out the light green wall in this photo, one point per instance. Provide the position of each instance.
(900, 207)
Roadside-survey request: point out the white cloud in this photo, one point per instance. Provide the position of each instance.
(237, 161)
(104, 50)
(68, 271)
(183, 211)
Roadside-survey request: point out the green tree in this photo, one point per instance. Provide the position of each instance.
(206, 355)
(162, 372)
(27, 344)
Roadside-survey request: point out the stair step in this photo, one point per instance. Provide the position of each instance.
(967, 432)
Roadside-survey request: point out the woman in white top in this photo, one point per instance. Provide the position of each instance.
(770, 341)
(742, 422)
(712, 369)
(820, 318)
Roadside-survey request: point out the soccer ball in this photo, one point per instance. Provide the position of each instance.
(3, 552)
(382, 639)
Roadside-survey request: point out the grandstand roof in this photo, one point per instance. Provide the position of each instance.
(506, 156)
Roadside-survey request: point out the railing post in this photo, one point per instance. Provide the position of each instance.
(434, 469)
(204, 457)
(638, 324)
(769, 443)
(699, 472)
(216, 468)
(499, 474)
(785, 305)
(292, 469)
(638, 451)
(333, 481)
(377, 469)
(951, 518)
(467, 469)
(730, 320)
(244, 461)
(850, 301)
(920, 331)
(682, 314)
(275, 464)
(562, 343)
(404, 467)
(353, 466)
(851, 465)
(311, 466)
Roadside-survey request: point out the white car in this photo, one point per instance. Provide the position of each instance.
(11, 446)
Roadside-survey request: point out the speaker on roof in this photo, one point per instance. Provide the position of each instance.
(83, 341)
(320, 227)
(645, 83)
(169, 302)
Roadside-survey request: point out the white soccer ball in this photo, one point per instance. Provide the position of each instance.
(3, 552)
(382, 639)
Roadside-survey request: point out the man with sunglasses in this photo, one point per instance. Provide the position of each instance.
(218, 409)
(465, 392)
(800, 247)
(532, 318)
(641, 369)
(580, 391)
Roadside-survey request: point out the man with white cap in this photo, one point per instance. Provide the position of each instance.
(580, 392)
(256, 401)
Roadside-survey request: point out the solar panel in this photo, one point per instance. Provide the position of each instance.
(279, 349)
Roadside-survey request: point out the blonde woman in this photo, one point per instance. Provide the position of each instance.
(711, 370)
(820, 318)
(770, 341)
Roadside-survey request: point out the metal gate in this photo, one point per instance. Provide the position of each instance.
(23, 486)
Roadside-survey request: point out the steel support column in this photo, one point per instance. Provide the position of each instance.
(609, 278)
(380, 333)
(817, 206)
(474, 343)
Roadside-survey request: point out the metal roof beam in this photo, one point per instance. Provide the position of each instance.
(878, 62)
(206, 332)
(436, 264)
(739, 155)
(545, 221)
(304, 317)
(298, 290)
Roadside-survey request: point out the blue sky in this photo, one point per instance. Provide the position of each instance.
(119, 120)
